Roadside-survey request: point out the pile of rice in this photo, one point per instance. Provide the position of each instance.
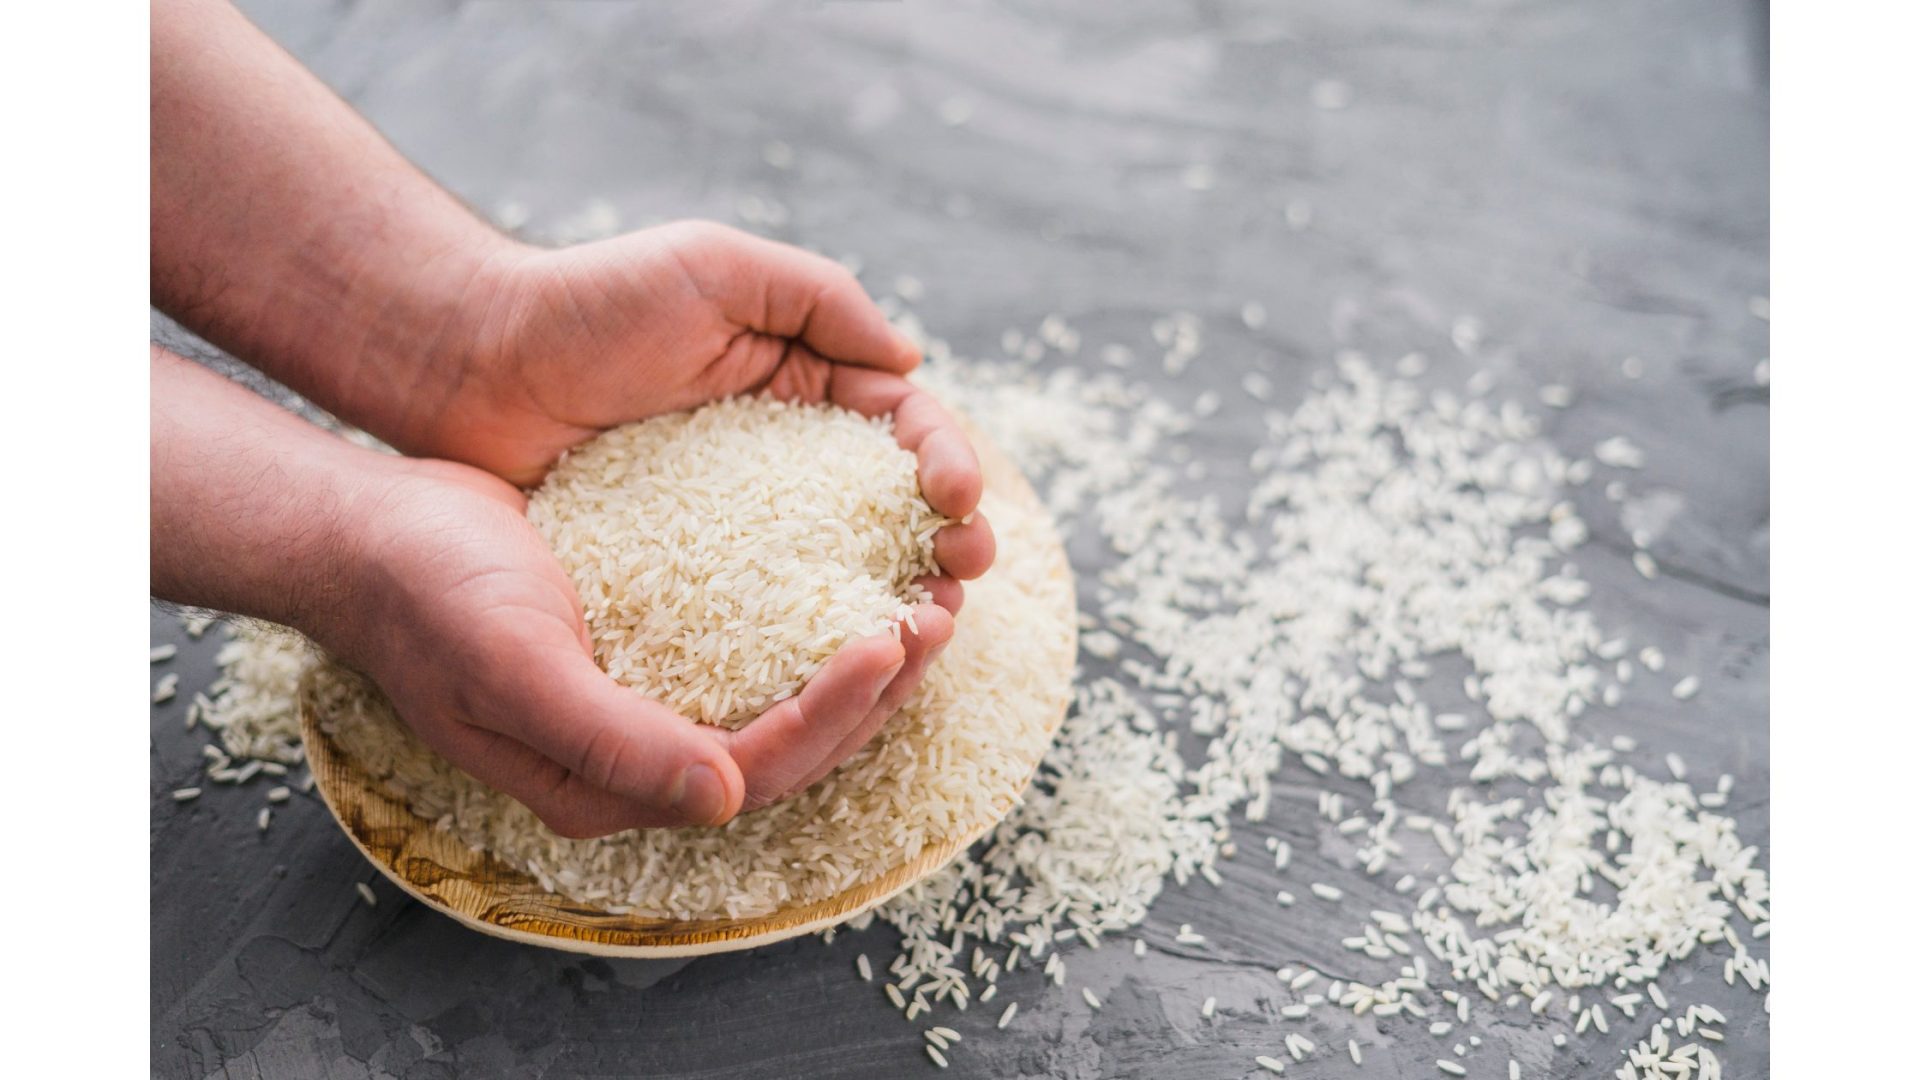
(727, 530)
(724, 555)
(1374, 674)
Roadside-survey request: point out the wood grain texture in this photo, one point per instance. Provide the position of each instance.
(480, 891)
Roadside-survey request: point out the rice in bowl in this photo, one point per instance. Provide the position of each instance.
(942, 770)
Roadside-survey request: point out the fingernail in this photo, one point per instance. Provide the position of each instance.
(699, 795)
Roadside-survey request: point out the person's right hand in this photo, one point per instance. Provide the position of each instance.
(468, 623)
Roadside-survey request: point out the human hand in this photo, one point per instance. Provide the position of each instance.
(464, 618)
(319, 254)
(564, 344)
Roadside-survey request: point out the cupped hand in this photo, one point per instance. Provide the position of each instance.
(575, 341)
(471, 627)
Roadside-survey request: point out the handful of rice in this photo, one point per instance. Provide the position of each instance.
(724, 555)
(948, 765)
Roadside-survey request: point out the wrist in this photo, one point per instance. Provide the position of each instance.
(326, 569)
(470, 397)
(254, 510)
(385, 335)
(398, 525)
(354, 562)
(406, 353)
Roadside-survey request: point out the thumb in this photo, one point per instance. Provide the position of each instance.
(611, 738)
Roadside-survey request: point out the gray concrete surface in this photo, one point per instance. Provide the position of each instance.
(1586, 178)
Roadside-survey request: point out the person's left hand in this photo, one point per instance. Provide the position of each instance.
(444, 594)
(574, 341)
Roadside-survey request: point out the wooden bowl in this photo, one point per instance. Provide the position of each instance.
(440, 870)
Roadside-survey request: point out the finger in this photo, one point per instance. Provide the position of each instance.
(615, 740)
(783, 745)
(949, 469)
(923, 647)
(560, 799)
(965, 550)
(778, 289)
(944, 591)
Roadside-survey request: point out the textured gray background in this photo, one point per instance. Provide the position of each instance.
(1587, 179)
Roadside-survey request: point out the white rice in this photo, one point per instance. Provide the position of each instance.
(723, 555)
(1389, 528)
(1620, 452)
(948, 764)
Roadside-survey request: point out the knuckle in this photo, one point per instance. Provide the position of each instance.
(758, 797)
(699, 232)
(602, 761)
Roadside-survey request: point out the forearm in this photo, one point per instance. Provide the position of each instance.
(252, 507)
(287, 231)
